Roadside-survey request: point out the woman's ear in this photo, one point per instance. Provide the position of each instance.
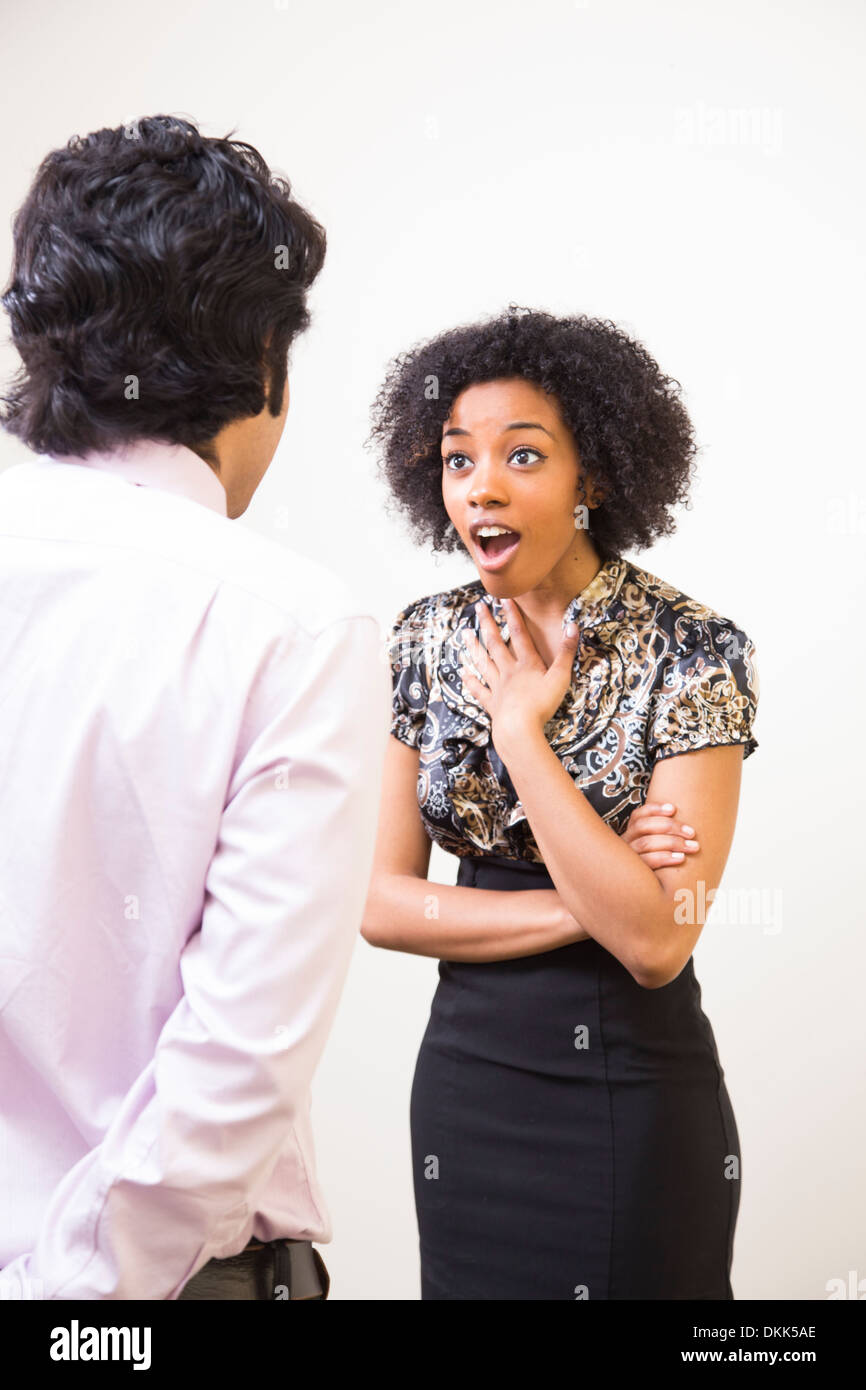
(595, 494)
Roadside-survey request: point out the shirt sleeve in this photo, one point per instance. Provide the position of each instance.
(708, 692)
(195, 1140)
(409, 684)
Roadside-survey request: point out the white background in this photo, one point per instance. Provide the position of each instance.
(693, 172)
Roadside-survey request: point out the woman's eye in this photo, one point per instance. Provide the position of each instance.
(524, 456)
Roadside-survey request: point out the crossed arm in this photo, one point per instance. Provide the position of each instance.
(620, 890)
(641, 915)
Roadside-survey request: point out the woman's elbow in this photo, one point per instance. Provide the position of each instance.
(657, 968)
(655, 978)
(377, 921)
(370, 921)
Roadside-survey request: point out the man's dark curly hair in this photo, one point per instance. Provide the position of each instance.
(633, 434)
(151, 251)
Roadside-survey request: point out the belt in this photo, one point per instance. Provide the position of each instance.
(274, 1269)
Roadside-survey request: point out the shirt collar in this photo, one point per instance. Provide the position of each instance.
(591, 605)
(155, 463)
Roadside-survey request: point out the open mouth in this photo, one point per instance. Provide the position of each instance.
(496, 549)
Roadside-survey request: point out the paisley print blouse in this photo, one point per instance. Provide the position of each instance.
(656, 673)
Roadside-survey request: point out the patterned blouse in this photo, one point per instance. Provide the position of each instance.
(656, 673)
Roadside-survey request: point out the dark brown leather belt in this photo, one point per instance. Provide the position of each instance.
(272, 1270)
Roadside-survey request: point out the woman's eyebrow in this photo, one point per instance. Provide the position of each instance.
(517, 425)
(526, 425)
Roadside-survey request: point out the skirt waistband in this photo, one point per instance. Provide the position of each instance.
(497, 870)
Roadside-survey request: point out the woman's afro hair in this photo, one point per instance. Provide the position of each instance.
(633, 434)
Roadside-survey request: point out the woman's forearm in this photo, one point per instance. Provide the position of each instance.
(603, 882)
(406, 913)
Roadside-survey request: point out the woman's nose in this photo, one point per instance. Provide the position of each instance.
(487, 487)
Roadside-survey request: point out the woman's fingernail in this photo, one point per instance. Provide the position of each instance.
(668, 806)
(687, 829)
(692, 844)
(676, 854)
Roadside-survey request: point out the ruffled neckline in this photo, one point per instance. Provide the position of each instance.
(588, 608)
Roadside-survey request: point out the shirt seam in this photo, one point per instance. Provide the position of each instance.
(666, 751)
(109, 1183)
(220, 580)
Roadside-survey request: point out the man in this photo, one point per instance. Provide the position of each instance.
(192, 728)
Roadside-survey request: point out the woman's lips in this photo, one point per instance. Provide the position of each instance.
(496, 562)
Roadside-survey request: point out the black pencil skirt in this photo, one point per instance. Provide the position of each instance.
(572, 1135)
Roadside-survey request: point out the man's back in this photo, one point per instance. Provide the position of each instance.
(192, 722)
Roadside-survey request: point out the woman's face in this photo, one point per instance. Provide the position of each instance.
(508, 458)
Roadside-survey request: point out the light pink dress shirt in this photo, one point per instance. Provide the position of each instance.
(192, 726)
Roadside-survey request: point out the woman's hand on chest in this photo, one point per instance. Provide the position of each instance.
(511, 680)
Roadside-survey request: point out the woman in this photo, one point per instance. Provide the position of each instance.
(572, 1134)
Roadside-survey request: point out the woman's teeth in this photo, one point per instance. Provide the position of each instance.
(496, 542)
(493, 531)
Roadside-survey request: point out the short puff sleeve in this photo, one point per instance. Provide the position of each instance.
(708, 691)
(410, 686)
